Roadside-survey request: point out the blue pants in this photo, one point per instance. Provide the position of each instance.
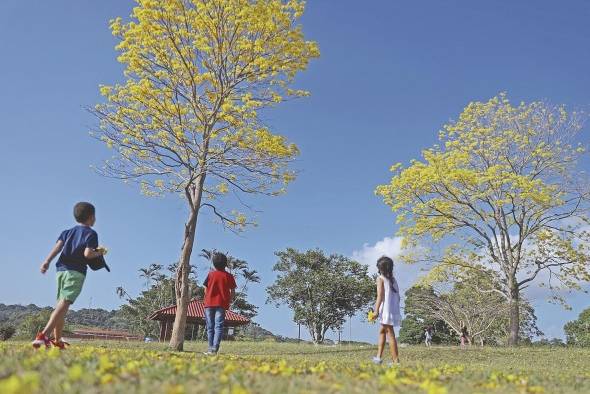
(214, 319)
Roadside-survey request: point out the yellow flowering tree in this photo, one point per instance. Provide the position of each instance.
(187, 118)
(502, 192)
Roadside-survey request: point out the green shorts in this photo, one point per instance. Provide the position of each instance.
(69, 285)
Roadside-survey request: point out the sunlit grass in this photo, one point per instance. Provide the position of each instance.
(265, 367)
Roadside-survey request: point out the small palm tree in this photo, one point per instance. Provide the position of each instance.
(249, 276)
(122, 293)
(151, 273)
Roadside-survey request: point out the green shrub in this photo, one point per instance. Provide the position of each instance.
(6, 332)
(33, 323)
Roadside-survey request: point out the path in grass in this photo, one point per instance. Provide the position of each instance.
(262, 367)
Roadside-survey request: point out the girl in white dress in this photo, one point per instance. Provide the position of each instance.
(387, 307)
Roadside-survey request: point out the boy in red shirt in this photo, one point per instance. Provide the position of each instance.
(219, 291)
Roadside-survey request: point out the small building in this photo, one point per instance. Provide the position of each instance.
(195, 320)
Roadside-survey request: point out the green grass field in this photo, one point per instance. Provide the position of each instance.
(243, 367)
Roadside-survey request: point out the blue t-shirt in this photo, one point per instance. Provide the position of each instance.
(75, 241)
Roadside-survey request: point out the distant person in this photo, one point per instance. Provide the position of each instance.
(387, 306)
(220, 287)
(464, 335)
(78, 246)
(428, 336)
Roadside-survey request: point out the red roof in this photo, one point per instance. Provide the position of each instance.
(196, 311)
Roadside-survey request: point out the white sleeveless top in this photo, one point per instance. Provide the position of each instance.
(389, 311)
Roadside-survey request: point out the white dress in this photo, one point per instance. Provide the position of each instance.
(389, 312)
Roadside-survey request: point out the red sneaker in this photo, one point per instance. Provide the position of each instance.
(40, 340)
(61, 344)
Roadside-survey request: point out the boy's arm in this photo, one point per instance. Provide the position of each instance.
(54, 252)
(205, 283)
(93, 253)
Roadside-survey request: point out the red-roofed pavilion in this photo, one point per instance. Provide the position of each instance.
(195, 317)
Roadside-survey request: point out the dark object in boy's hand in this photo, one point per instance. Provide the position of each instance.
(98, 263)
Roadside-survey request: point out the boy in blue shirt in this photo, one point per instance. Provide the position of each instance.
(77, 245)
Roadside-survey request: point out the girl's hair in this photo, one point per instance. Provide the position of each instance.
(385, 268)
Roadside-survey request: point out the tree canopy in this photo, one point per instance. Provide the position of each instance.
(577, 332)
(187, 119)
(502, 191)
(471, 298)
(321, 290)
(416, 320)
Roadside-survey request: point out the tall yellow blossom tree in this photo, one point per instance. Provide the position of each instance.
(502, 192)
(187, 118)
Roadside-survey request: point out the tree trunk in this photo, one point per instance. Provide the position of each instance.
(319, 339)
(319, 333)
(312, 333)
(182, 273)
(316, 334)
(514, 317)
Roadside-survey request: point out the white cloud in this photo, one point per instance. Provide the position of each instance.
(368, 254)
(406, 274)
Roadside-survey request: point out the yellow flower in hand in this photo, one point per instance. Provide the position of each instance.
(372, 316)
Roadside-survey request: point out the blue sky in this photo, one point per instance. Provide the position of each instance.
(390, 75)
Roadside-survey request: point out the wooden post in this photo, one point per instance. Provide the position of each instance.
(299, 333)
(161, 339)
